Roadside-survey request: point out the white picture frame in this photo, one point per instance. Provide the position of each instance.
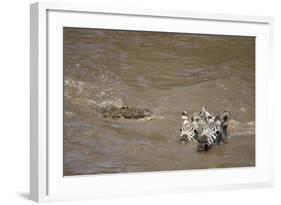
(46, 179)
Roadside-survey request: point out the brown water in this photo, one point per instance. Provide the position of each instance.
(166, 73)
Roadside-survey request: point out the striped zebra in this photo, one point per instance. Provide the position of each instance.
(205, 116)
(214, 132)
(190, 130)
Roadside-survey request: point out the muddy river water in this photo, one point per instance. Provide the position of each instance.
(166, 73)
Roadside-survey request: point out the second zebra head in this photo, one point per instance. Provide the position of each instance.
(214, 132)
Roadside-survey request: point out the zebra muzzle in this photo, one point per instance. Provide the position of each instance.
(203, 146)
(185, 139)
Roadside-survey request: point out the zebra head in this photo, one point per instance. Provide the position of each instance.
(205, 116)
(214, 132)
(189, 129)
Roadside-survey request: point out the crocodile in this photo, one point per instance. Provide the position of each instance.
(125, 112)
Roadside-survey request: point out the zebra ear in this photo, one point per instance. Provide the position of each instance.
(204, 109)
(224, 127)
(225, 116)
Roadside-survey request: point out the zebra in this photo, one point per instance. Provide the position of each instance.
(205, 116)
(190, 130)
(215, 132)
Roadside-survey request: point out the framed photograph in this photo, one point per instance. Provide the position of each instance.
(128, 101)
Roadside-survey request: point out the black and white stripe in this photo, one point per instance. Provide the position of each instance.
(204, 129)
(205, 116)
(188, 134)
(213, 133)
(188, 130)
